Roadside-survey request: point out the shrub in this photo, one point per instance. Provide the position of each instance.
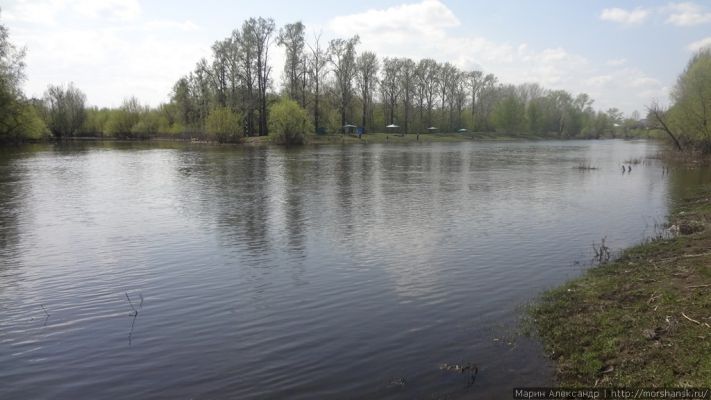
(289, 123)
(121, 122)
(224, 125)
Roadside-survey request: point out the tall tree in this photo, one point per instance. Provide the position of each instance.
(407, 77)
(261, 31)
(183, 100)
(367, 65)
(390, 87)
(485, 102)
(202, 91)
(292, 38)
(220, 70)
(446, 73)
(246, 69)
(476, 82)
(342, 56)
(429, 81)
(459, 97)
(317, 70)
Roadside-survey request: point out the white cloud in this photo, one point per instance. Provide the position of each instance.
(109, 64)
(106, 47)
(700, 44)
(616, 62)
(48, 11)
(429, 17)
(687, 14)
(623, 16)
(118, 9)
(187, 25)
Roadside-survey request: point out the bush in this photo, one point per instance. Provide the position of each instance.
(224, 125)
(149, 124)
(122, 121)
(34, 126)
(289, 123)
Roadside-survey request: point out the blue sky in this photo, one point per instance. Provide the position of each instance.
(622, 53)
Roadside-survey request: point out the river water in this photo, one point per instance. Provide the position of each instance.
(321, 272)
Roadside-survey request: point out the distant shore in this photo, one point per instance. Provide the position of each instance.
(643, 320)
(369, 138)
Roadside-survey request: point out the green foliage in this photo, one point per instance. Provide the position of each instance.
(122, 121)
(509, 114)
(95, 121)
(224, 125)
(175, 129)
(33, 125)
(19, 119)
(149, 124)
(289, 123)
(690, 115)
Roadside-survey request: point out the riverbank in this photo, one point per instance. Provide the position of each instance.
(382, 137)
(643, 320)
(370, 138)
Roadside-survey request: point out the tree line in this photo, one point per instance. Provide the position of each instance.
(232, 94)
(337, 86)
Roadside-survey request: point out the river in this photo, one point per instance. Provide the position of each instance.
(158, 270)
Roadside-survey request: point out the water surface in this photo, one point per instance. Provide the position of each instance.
(322, 272)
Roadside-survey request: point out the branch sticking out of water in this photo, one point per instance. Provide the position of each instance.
(602, 252)
(135, 312)
(45, 310)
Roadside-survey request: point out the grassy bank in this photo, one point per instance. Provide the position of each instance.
(642, 320)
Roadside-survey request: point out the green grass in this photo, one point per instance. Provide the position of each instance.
(625, 323)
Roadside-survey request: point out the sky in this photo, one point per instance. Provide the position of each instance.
(624, 54)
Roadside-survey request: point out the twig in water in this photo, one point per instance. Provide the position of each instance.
(135, 312)
(133, 324)
(45, 310)
(602, 252)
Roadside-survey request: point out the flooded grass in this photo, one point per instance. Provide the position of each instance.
(641, 320)
(585, 167)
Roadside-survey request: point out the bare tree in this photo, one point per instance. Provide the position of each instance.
(390, 86)
(317, 72)
(245, 68)
(429, 81)
(459, 96)
(407, 78)
(342, 56)
(261, 31)
(446, 73)
(367, 65)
